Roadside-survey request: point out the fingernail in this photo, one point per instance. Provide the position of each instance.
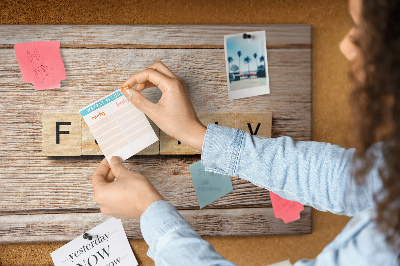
(124, 88)
(128, 94)
(115, 160)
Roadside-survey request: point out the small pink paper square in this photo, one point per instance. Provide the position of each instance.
(287, 210)
(41, 63)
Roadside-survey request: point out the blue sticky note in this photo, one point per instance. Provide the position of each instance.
(209, 186)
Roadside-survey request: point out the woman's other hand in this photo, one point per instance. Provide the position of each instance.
(126, 197)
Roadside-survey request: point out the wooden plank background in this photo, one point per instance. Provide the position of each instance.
(97, 60)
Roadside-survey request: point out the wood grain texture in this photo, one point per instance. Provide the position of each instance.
(64, 183)
(151, 36)
(209, 222)
(32, 183)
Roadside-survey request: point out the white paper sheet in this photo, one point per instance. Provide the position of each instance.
(119, 128)
(109, 246)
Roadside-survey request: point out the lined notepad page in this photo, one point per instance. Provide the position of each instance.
(119, 128)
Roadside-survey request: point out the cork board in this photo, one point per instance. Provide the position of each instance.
(330, 23)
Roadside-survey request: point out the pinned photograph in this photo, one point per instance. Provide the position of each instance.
(246, 64)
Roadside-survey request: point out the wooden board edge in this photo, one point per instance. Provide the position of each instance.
(210, 222)
(153, 36)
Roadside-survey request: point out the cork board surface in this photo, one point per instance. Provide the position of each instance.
(330, 23)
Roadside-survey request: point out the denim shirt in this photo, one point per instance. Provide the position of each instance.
(312, 173)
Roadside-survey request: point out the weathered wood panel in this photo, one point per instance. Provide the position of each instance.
(151, 36)
(211, 222)
(33, 184)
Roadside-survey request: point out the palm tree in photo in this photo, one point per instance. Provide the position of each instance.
(247, 60)
(255, 58)
(239, 54)
(230, 60)
(261, 68)
(262, 59)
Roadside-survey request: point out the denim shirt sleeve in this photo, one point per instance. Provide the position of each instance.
(312, 173)
(172, 241)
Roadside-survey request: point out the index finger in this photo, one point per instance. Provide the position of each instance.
(100, 174)
(160, 67)
(157, 78)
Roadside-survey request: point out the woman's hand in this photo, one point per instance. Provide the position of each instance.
(174, 112)
(128, 196)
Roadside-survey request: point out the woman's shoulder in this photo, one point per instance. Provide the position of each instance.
(362, 240)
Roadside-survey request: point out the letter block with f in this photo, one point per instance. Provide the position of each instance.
(62, 134)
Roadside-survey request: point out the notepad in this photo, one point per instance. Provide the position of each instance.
(119, 128)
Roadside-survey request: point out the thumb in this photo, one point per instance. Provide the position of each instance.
(138, 100)
(117, 167)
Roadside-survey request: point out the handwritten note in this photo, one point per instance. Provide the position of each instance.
(41, 63)
(108, 246)
(118, 126)
(209, 186)
(287, 210)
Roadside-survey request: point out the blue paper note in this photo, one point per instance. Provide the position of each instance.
(209, 186)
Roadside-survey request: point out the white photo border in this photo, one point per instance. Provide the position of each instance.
(247, 92)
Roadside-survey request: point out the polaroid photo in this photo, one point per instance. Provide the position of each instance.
(246, 64)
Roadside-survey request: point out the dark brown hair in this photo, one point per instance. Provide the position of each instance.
(375, 103)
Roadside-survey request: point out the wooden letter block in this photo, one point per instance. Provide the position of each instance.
(154, 148)
(258, 124)
(169, 145)
(222, 119)
(89, 145)
(61, 134)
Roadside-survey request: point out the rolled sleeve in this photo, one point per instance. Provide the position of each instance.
(221, 149)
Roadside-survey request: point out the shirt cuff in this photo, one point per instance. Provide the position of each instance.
(221, 149)
(158, 219)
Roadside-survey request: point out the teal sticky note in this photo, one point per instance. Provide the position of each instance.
(209, 186)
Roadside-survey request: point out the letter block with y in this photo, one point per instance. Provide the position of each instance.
(62, 134)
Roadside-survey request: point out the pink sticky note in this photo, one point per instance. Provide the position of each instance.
(41, 63)
(287, 210)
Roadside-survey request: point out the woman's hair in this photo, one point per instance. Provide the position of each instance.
(375, 103)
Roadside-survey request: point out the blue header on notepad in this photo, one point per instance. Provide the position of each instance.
(101, 103)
